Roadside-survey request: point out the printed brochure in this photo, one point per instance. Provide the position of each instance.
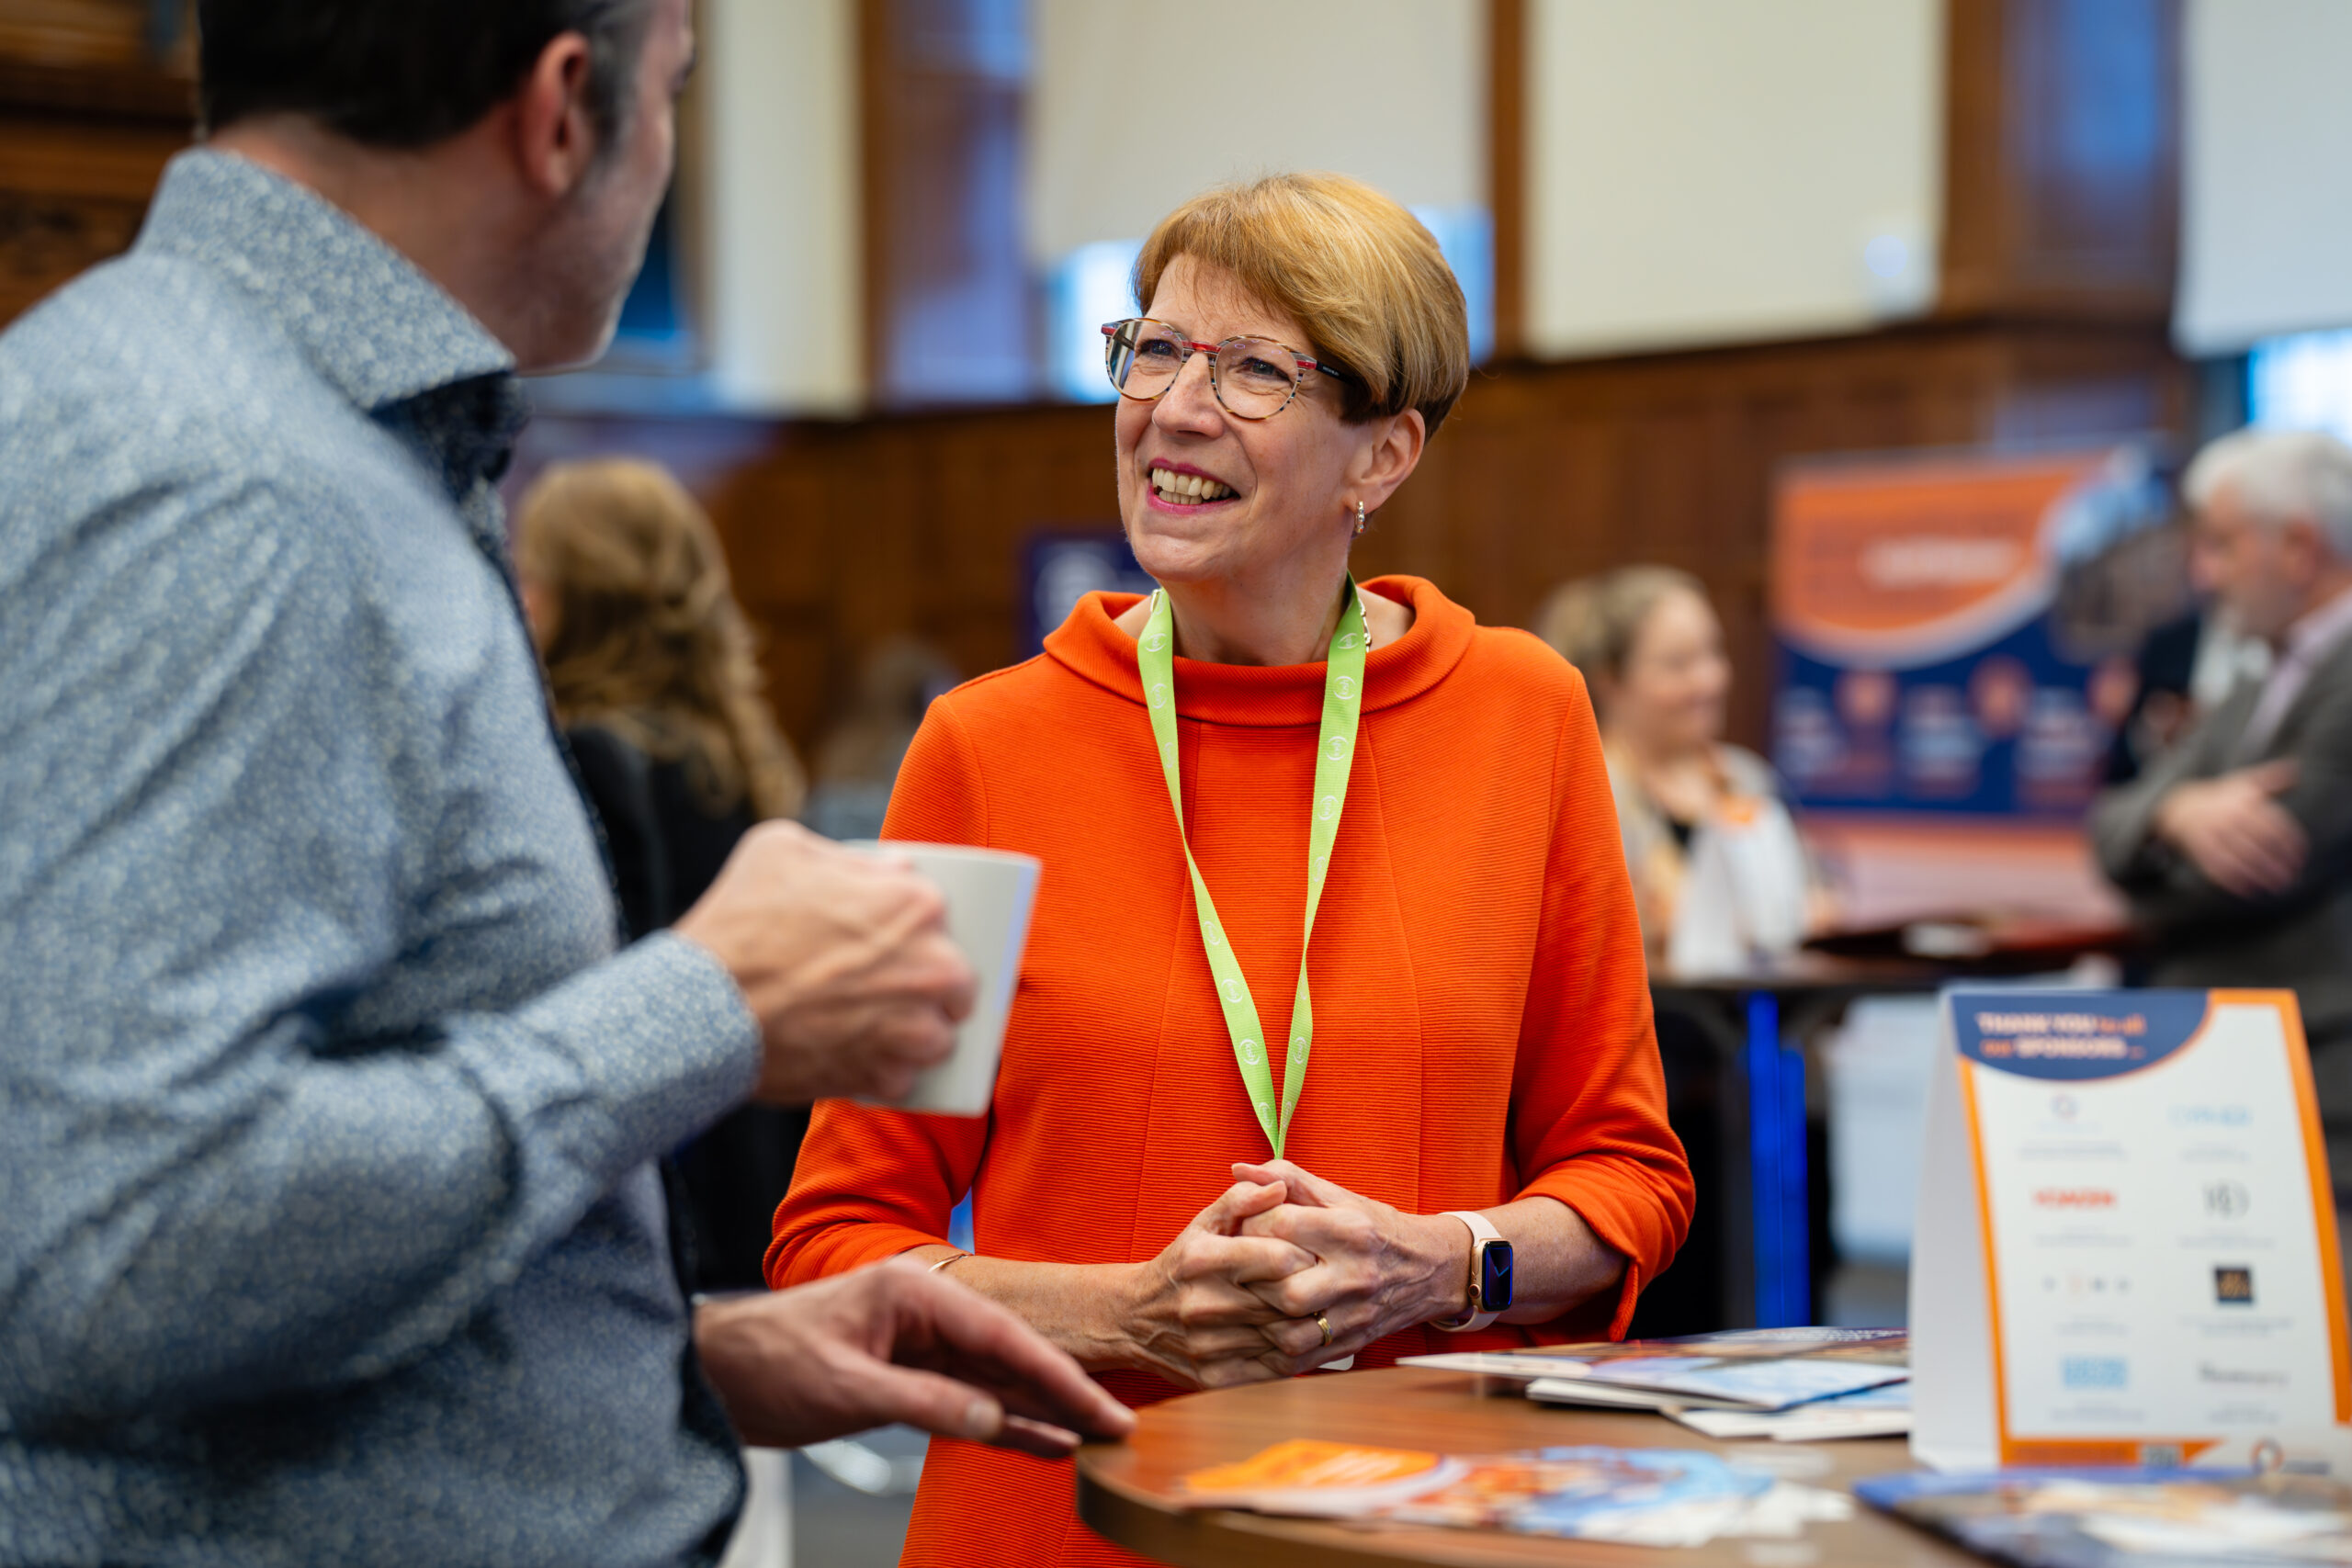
(1756, 1369)
(1635, 1496)
(2127, 1518)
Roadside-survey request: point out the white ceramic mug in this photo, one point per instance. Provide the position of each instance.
(989, 893)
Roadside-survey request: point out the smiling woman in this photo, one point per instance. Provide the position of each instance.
(1351, 798)
(1250, 510)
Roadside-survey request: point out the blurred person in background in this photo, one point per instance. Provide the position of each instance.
(2235, 847)
(858, 761)
(651, 668)
(1483, 1073)
(1648, 642)
(328, 1108)
(2185, 669)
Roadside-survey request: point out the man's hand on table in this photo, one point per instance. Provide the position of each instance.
(896, 1343)
(844, 959)
(2234, 829)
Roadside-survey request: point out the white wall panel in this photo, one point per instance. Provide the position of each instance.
(1137, 105)
(2265, 171)
(1716, 171)
(783, 307)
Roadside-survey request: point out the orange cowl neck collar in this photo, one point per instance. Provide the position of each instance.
(1271, 696)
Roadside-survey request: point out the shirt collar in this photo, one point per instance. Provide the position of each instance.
(2310, 638)
(365, 315)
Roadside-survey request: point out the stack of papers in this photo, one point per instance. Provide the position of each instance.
(1634, 1497)
(2125, 1519)
(1755, 1370)
(1881, 1412)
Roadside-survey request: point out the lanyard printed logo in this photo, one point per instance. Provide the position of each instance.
(1342, 687)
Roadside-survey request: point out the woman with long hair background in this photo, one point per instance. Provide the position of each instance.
(653, 671)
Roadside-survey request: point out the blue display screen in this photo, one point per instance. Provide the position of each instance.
(1494, 1277)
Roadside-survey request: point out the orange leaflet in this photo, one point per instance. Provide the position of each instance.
(1305, 1462)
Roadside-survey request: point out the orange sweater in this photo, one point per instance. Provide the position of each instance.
(1482, 1015)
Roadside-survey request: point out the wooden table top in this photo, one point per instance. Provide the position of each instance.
(1125, 1490)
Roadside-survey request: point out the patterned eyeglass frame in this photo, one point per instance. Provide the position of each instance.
(1110, 331)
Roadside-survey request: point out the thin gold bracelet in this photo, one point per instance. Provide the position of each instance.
(951, 1258)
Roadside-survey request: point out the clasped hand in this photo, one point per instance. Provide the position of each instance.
(1236, 1297)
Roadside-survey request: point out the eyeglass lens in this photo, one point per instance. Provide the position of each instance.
(1254, 378)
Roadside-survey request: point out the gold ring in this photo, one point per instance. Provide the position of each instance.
(1325, 1324)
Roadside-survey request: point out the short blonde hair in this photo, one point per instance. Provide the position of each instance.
(1357, 271)
(648, 640)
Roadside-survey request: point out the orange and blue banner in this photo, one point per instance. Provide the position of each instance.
(1955, 632)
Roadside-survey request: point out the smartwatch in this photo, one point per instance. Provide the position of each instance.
(1490, 1292)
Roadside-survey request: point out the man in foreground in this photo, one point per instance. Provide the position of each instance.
(2236, 846)
(327, 1114)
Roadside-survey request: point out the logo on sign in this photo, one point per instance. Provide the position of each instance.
(2232, 1284)
(2227, 1199)
(2092, 1372)
(2073, 1198)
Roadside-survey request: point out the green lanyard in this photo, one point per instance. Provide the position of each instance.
(1342, 691)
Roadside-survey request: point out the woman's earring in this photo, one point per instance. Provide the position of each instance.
(1359, 517)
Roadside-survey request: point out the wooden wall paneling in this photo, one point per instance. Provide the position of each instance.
(1977, 163)
(2062, 157)
(114, 59)
(820, 515)
(884, 581)
(72, 194)
(2096, 84)
(1507, 168)
(948, 297)
(100, 35)
(877, 156)
(2092, 378)
(844, 534)
(95, 96)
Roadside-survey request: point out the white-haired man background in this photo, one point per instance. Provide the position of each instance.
(2236, 846)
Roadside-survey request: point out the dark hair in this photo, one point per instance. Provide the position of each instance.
(405, 73)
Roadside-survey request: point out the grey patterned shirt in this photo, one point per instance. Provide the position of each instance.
(328, 1232)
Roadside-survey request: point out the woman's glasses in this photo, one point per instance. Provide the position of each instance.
(1253, 378)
